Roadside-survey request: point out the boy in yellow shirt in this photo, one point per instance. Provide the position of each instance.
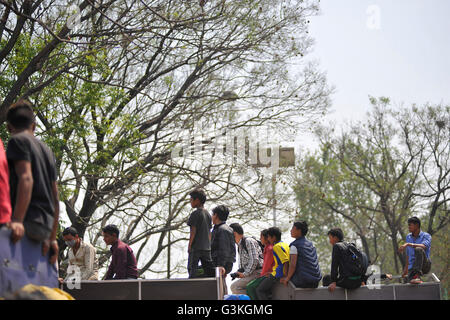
(281, 264)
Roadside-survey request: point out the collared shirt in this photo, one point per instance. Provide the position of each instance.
(123, 262)
(86, 260)
(423, 238)
(280, 256)
(250, 259)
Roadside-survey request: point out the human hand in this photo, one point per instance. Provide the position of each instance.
(332, 286)
(46, 245)
(402, 247)
(284, 281)
(17, 231)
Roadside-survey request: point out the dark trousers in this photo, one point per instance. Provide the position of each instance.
(264, 290)
(343, 282)
(303, 284)
(204, 257)
(421, 266)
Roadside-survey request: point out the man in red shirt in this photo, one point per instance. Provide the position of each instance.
(267, 265)
(5, 200)
(123, 262)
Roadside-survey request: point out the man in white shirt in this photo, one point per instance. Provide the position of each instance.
(82, 259)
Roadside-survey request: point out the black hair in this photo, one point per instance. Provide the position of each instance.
(111, 229)
(414, 220)
(265, 233)
(274, 232)
(198, 194)
(20, 114)
(302, 226)
(70, 230)
(337, 232)
(237, 228)
(222, 212)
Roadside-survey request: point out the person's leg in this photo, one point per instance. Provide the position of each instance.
(347, 283)
(418, 265)
(265, 287)
(420, 257)
(207, 264)
(192, 266)
(251, 288)
(239, 285)
(426, 265)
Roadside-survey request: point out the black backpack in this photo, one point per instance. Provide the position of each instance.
(354, 261)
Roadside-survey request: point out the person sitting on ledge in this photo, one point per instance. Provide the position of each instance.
(304, 270)
(341, 273)
(123, 262)
(417, 246)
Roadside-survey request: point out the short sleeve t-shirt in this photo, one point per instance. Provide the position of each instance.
(201, 220)
(5, 201)
(24, 146)
(281, 256)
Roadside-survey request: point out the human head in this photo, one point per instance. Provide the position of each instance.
(220, 214)
(238, 231)
(264, 237)
(413, 224)
(70, 236)
(110, 234)
(198, 198)
(20, 117)
(299, 229)
(274, 235)
(335, 235)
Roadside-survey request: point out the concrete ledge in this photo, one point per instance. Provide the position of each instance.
(157, 289)
(424, 291)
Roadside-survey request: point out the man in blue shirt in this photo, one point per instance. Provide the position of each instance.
(417, 246)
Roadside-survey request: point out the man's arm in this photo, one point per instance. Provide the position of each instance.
(334, 268)
(111, 269)
(23, 198)
(334, 264)
(52, 241)
(292, 267)
(286, 268)
(89, 258)
(192, 237)
(121, 263)
(405, 270)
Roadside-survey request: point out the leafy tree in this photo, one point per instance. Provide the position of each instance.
(116, 84)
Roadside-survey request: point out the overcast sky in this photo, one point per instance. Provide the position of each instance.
(394, 48)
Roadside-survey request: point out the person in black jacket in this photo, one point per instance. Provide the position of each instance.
(223, 250)
(339, 275)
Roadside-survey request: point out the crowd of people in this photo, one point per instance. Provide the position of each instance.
(29, 207)
(269, 260)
